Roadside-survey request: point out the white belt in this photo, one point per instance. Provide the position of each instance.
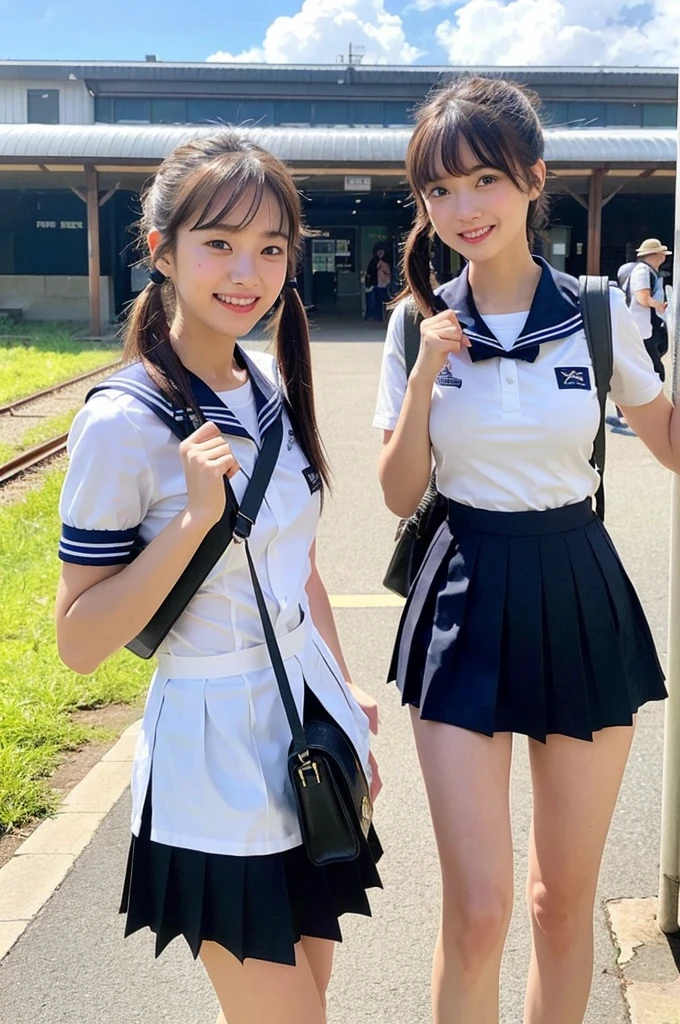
(234, 663)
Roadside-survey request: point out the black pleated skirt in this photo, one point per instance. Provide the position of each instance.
(525, 622)
(257, 907)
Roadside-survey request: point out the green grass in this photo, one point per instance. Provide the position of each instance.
(37, 692)
(37, 435)
(48, 356)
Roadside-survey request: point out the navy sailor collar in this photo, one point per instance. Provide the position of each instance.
(554, 313)
(135, 381)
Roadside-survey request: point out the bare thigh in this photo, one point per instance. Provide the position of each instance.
(258, 991)
(576, 785)
(467, 778)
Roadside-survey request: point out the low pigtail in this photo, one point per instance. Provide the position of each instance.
(147, 338)
(418, 267)
(290, 329)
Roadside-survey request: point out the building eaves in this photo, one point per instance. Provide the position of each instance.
(97, 71)
(148, 144)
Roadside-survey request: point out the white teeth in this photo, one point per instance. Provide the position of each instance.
(476, 234)
(233, 301)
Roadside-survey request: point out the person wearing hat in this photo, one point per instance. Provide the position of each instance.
(644, 293)
(642, 285)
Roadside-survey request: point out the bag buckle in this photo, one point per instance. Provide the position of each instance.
(242, 527)
(307, 766)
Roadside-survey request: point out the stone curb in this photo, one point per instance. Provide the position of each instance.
(41, 863)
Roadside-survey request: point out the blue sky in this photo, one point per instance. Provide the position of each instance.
(634, 32)
(127, 29)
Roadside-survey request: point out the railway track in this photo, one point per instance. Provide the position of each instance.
(32, 457)
(42, 453)
(19, 402)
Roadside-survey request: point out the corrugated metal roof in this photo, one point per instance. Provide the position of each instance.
(215, 71)
(323, 146)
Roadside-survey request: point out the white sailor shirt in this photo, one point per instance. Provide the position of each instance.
(514, 434)
(214, 738)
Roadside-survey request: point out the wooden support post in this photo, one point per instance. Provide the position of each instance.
(93, 263)
(595, 220)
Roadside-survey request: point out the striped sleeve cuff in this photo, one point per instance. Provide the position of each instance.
(97, 547)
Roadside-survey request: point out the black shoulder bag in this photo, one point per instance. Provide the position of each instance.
(331, 790)
(415, 534)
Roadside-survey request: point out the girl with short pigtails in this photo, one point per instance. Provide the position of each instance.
(162, 456)
(521, 618)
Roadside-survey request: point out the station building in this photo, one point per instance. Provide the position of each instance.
(78, 142)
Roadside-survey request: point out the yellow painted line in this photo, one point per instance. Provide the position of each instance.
(366, 601)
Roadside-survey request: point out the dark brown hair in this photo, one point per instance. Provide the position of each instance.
(499, 123)
(199, 184)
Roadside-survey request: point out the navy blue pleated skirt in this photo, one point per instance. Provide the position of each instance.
(525, 622)
(257, 907)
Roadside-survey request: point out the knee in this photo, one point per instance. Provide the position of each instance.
(475, 924)
(558, 910)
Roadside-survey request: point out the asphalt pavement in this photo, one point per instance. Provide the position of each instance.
(72, 965)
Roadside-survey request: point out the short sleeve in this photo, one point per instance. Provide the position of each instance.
(634, 380)
(393, 377)
(109, 483)
(640, 279)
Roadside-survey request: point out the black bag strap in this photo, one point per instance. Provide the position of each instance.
(413, 318)
(294, 721)
(236, 522)
(597, 324)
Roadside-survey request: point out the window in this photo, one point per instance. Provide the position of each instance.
(168, 110)
(555, 115)
(659, 115)
(365, 112)
(294, 112)
(132, 110)
(587, 115)
(103, 110)
(398, 113)
(211, 111)
(330, 112)
(43, 106)
(624, 114)
(256, 112)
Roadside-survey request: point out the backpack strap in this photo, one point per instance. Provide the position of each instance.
(413, 318)
(597, 324)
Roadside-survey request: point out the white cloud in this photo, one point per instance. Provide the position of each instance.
(553, 32)
(323, 29)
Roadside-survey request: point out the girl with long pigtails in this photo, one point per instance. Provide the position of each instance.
(216, 852)
(522, 618)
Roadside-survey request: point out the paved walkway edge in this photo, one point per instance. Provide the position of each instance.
(41, 864)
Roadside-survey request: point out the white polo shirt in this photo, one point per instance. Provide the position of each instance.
(513, 435)
(641, 278)
(214, 738)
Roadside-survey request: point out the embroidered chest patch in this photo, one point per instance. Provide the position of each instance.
(445, 379)
(313, 478)
(573, 378)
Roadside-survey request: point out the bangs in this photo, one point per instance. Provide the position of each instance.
(444, 140)
(231, 182)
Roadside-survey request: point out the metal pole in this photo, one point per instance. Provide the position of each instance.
(669, 882)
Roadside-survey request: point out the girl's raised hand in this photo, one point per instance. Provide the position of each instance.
(440, 335)
(207, 459)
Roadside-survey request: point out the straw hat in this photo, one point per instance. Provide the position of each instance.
(651, 246)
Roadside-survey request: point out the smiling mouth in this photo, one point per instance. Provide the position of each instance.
(238, 303)
(477, 236)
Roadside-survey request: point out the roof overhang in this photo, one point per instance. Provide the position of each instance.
(44, 156)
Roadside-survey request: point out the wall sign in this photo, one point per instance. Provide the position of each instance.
(65, 225)
(357, 183)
